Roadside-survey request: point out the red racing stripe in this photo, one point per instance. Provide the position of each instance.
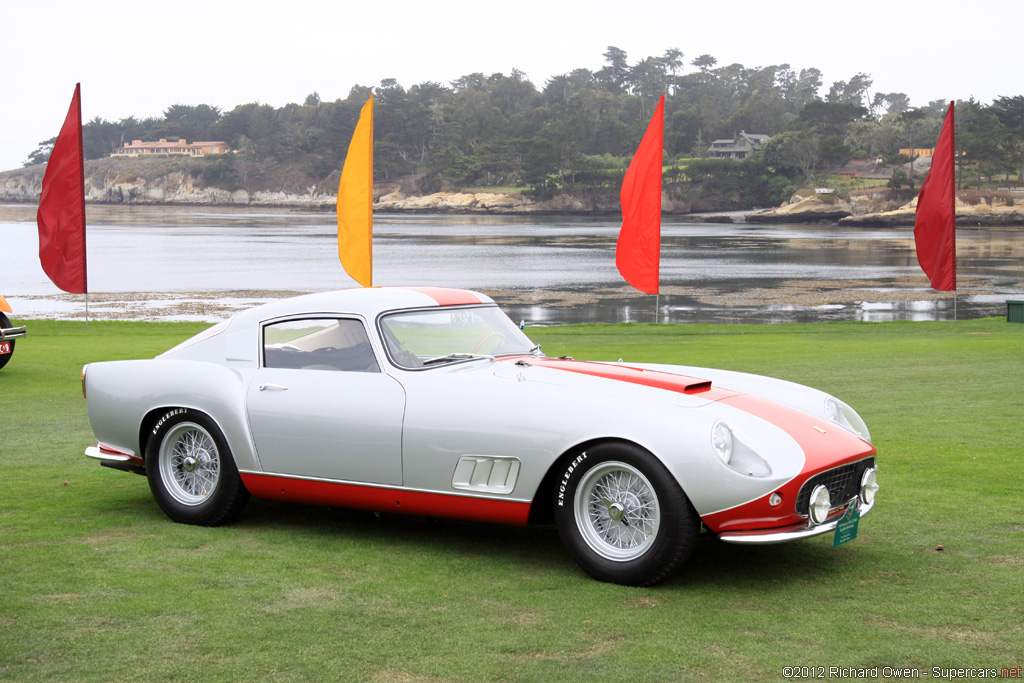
(446, 297)
(625, 373)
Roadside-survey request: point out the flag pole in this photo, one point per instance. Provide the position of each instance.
(638, 248)
(935, 219)
(60, 217)
(355, 201)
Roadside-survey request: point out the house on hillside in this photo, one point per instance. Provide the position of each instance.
(742, 146)
(196, 149)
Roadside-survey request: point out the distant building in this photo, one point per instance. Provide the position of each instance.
(917, 152)
(196, 149)
(743, 146)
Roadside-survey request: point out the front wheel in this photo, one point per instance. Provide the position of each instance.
(622, 516)
(191, 472)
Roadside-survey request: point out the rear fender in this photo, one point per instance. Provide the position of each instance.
(124, 418)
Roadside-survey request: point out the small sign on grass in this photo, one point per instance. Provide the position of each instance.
(846, 529)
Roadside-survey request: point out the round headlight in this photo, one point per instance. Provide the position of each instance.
(820, 504)
(869, 485)
(721, 441)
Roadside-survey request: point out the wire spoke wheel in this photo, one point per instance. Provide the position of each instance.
(617, 511)
(622, 516)
(190, 463)
(190, 470)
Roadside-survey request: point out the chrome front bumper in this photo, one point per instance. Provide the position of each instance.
(12, 333)
(792, 533)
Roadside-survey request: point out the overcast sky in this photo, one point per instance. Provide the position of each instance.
(137, 58)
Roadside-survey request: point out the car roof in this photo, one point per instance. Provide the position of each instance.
(365, 301)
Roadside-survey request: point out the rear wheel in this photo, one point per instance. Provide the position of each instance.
(623, 517)
(191, 472)
(4, 357)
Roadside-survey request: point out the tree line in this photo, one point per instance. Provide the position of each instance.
(577, 133)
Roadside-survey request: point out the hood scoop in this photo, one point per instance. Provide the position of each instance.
(624, 373)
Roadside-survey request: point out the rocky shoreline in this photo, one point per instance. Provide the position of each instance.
(107, 182)
(863, 211)
(112, 185)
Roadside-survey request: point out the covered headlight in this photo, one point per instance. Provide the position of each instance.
(846, 417)
(721, 441)
(736, 451)
(869, 485)
(820, 504)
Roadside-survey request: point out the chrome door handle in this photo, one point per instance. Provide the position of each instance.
(272, 387)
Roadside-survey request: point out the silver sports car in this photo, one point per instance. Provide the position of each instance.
(430, 401)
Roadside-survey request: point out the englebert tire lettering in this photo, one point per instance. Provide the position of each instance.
(565, 478)
(160, 422)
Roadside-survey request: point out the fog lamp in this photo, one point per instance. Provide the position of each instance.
(820, 504)
(869, 485)
(775, 499)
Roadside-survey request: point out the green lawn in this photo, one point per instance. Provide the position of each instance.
(97, 585)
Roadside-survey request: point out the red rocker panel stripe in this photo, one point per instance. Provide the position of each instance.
(380, 499)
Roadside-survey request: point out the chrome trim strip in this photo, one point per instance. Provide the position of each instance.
(12, 332)
(96, 453)
(770, 536)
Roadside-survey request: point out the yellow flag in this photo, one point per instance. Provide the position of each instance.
(355, 202)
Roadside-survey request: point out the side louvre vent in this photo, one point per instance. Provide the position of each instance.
(486, 473)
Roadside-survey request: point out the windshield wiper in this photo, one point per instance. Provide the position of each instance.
(458, 356)
(535, 351)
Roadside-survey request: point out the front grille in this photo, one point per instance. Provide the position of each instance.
(843, 483)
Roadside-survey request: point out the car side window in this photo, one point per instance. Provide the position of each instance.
(318, 344)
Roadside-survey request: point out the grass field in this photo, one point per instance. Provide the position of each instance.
(97, 585)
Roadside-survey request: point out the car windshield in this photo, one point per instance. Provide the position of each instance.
(417, 339)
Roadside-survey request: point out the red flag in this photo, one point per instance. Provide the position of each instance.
(61, 215)
(638, 253)
(935, 224)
